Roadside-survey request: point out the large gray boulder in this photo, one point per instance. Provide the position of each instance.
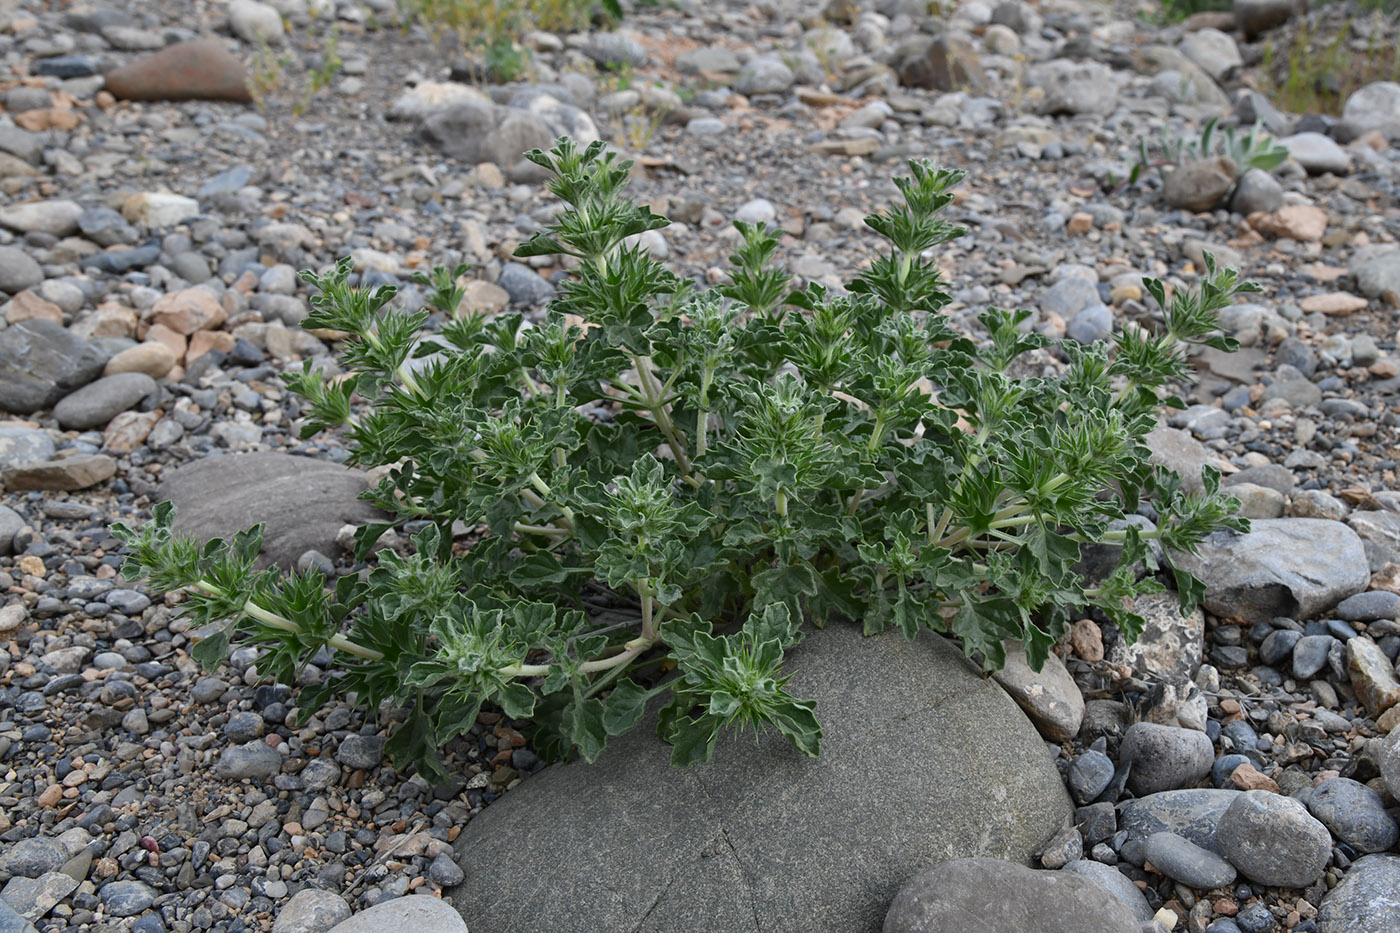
(303, 502)
(922, 761)
(1295, 567)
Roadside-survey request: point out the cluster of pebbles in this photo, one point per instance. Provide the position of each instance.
(1232, 772)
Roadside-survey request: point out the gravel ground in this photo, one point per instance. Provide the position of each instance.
(139, 792)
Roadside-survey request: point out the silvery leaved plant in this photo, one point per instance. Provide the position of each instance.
(664, 486)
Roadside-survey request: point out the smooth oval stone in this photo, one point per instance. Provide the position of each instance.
(1354, 813)
(1273, 840)
(1182, 860)
(1164, 757)
(99, 402)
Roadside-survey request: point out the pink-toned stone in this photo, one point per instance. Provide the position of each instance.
(1303, 222)
(1333, 303)
(206, 340)
(128, 430)
(26, 306)
(108, 320)
(176, 343)
(189, 310)
(200, 70)
(1248, 777)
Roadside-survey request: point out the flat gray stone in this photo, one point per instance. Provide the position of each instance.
(312, 911)
(1192, 813)
(947, 766)
(1366, 901)
(982, 895)
(404, 915)
(40, 362)
(99, 402)
(1294, 567)
(11, 922)
(303, 502)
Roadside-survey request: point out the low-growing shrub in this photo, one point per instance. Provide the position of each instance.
(665, 485)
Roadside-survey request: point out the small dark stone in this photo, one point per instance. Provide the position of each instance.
(1089, 775)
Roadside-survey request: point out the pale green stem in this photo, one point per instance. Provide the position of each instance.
(630, 651)
(272, 620)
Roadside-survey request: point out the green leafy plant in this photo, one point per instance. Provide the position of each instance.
(664, 486)
(1252, 149)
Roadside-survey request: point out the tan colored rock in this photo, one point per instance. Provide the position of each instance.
(1079, 223)
(48, 118)
(72, 473)
(26, 306)
(1333, 303)
(189, 310)
(153, 358)
(203, 341)
(199, 70)
(1372, 676)
(175, 342)
(1248, 777)
(1049, 696)
(158, 209)
(1086, 638)
(128, 430)
(481, 297)
(1201, 185)
(108, 320)
(1387, 578)
(1303, 222)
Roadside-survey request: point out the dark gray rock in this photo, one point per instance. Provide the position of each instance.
(1273, 840)
(303, 502)
(1354, 813)
(1295, 567)
(126, 898)
(1366, 901)
(1089, 776)
(10, 524)
(982, 895)
(251, 760)
(40, 362)
(1363, 607)
(30, 858)
(1310, 655)
(18, 270)
(319, 774)
(524, 285)
(1255, 17)
(99, 402)
(1278, 647)
(1164, 757)
(1192, 814)
(11, 922)
(360, 751)
(1182, 860)
(687, 850)
(1116, 883)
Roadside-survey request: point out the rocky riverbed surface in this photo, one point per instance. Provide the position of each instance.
(1237, 770)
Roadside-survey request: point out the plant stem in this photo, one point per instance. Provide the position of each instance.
(630, 651)
(272, 620)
